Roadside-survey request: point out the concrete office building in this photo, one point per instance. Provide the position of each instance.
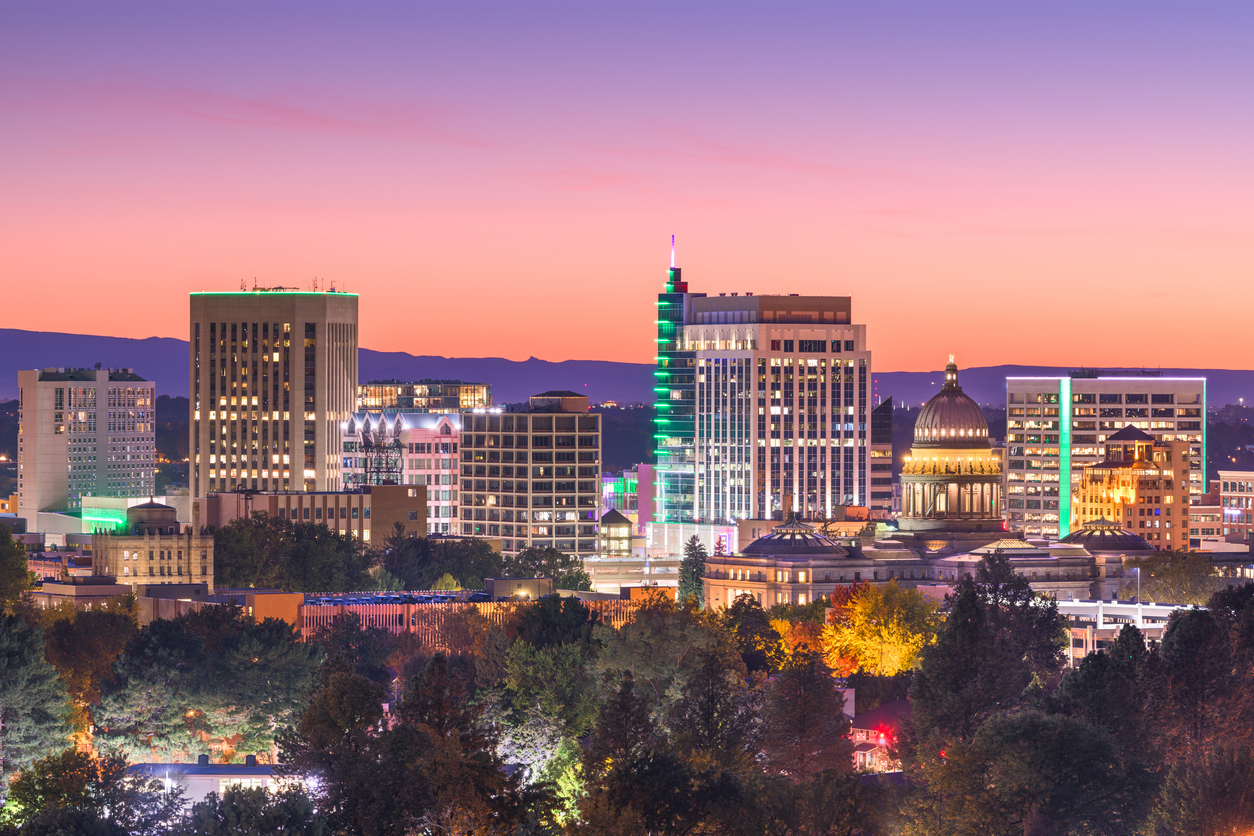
(1056, 426)
(273, 379)
(534, 478)
(83, 433)
(407, 449)
(1236, 503)
(422, 396)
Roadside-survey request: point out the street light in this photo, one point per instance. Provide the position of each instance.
(1138, 584)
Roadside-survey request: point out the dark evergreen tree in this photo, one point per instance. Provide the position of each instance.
(805, 727)
(692, 572)
(623, 730)
(33, 700)
(252, 811)
(15, 574)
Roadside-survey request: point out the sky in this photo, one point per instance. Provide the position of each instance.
(1061, 183)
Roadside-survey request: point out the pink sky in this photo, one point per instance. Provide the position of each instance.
(1064, 186)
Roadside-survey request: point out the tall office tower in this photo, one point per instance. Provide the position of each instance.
(422, 396)
(1056, 426)
(783, 406)
(675, 387)
(273, 379)
(882, 457)
(534, 478)
(83, 432)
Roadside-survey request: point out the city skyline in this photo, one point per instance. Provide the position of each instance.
(970, 160)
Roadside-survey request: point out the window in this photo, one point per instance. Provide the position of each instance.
(787, 345)
(413, 515)
(774, 345)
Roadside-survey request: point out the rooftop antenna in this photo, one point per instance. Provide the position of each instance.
(672, 252)
(243, 284)
(333, 285)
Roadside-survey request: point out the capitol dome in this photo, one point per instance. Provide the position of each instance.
(794, 538)
(951, 419)
(1105, 537)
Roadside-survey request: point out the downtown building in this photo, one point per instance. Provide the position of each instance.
(764, 406)
(273, 376)
(533, 478)
(83, 433)
(446, 396)
(1057, 426)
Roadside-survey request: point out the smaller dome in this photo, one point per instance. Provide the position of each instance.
(794, 538)
(1101, 536)
(951, 419)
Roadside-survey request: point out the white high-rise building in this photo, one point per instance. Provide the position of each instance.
(273, 380)
(83, 432)
(783, 406)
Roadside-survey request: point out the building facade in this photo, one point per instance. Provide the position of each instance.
(1056, 426)
(273, 376)
(1236, 502)
(369, 513)
(407, 449)
(1142, 485)
(422, 396)
(781, 407)
(533, 478)
(154, 549)
(83, 432)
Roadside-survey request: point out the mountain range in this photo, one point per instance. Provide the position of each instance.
(165, 360)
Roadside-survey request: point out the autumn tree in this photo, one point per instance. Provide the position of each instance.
(1175, 577)
(760, 645)
(884, 628)
(83, 645)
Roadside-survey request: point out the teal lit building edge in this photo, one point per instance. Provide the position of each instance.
(1064, 457)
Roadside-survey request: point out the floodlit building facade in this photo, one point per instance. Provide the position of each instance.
(273, 376)
(1056, 426)
(370, 513)
(83, 433)
(154, 548)
(407, 449)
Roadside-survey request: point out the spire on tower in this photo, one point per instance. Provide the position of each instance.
(672, 252)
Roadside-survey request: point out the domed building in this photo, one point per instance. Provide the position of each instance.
(951, 480)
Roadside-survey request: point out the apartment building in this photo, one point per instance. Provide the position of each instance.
(1057, 426)
(533, 478)
(422, 396)
(273, 378)
(1236, 502)
(81, 433)
(407, 449)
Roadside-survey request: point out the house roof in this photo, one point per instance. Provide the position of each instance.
(612, 517)
(1130, 433)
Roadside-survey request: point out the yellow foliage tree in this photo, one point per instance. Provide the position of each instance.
(884, 628)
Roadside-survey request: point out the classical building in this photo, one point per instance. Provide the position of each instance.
(951, 479)
(82, 433)
(273, 378)
(1142, 484)
(1056, 426)
(154, 549)
(534, 478)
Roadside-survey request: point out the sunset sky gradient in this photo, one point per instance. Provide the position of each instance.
(1054, 183)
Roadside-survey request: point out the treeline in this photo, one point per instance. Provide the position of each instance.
(296, 556)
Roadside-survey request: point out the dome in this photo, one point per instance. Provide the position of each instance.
(794, 538)
(1103, 536)
(951, 419)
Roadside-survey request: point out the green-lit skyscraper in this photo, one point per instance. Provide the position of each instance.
(675, 386)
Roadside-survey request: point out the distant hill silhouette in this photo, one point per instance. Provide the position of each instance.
(165, 360)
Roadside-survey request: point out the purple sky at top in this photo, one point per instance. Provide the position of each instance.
(993, 180)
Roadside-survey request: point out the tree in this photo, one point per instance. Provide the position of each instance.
(77, 780)
(554, 679)
(567, 571)
(83, 645)
(256, 812)
(1197, 692)
(33, 704)
(556, 620)
(717, 713)
(805, 726)
(419, 561)
(1176, 577)
(67, 821)
(692, 571)
(1209, 793)
(885, 629)
(366, 649)
(446, 583)
(624, 729)
(293, 555)
(15, 574)
(761, 647)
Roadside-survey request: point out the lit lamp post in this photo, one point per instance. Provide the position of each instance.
(1138, 584)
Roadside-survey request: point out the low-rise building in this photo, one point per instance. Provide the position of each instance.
(874, 734)
(369, 513)
(407, 449)
(154, 549)
(1236, 503)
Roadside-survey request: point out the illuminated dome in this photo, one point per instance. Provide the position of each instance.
(793, 538)
(1105, 537)
(951, 419)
